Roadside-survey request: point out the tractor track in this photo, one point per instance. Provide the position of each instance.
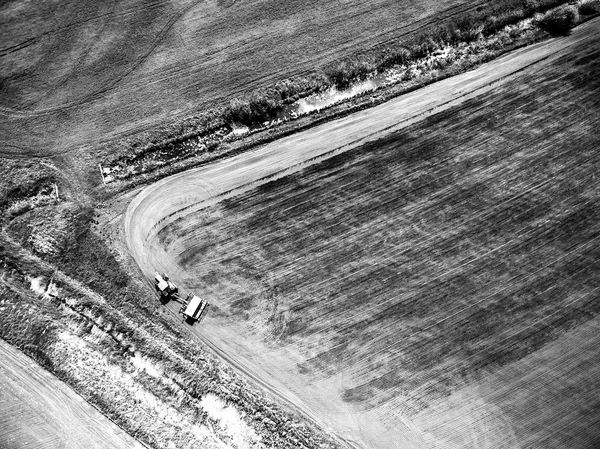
(97, 94)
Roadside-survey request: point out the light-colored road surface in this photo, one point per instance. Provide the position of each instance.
(39, 411)
(160, 204)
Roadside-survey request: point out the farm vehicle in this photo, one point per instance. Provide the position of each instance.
(192, 306)
(164, 286)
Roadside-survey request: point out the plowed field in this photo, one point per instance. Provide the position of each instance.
(438, 287)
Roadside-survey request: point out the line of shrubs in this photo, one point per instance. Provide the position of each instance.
(559, 21)
(590, 8)
(467, 28)
(262, 106)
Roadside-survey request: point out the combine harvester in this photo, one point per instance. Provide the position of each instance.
(192, 307)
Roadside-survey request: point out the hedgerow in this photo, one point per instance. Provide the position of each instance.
(589, 8)
(264, 104)
(559, 21)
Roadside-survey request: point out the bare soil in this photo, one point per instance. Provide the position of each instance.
(428, 288)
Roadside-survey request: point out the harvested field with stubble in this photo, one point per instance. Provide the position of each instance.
(436, 288)
(433, 287)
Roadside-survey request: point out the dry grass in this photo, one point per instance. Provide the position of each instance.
(41, 411)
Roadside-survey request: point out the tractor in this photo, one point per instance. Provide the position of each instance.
(192, 307)
(164, 286)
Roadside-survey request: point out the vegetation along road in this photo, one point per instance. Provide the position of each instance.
(421, 274)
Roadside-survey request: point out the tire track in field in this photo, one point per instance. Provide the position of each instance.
(361, 369)
(413, 27)
(455, 235)
(161, 221)
(250, 372)
(367, 135)
(324, 56)
(21, 45)
(8, 111)
(68, 27)
(345, 322)
(536, 382)
(78, 63)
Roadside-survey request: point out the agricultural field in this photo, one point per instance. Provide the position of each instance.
(419, 274)
(435, 288)
(91, 72)
(61, 417)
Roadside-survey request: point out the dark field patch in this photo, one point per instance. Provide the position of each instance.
(425, 260)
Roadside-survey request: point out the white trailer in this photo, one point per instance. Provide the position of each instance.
(194, 308)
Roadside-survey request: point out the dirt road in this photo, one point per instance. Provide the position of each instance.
(40, 411)
(162, 203)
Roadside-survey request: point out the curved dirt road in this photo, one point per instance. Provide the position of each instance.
(164, 201)
(160, 204)
(38, 410)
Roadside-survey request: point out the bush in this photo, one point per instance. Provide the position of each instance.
(238, 111)
(262, 107)
(394, 56)
(290, 90)
(258, 108)
(589, 8)
(495, 23)
(531, 7)
(559, 21)
(346, 72)
(472, 34)
(425, 46)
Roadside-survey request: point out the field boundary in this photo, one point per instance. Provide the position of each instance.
(307, 160)
(177, 154)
